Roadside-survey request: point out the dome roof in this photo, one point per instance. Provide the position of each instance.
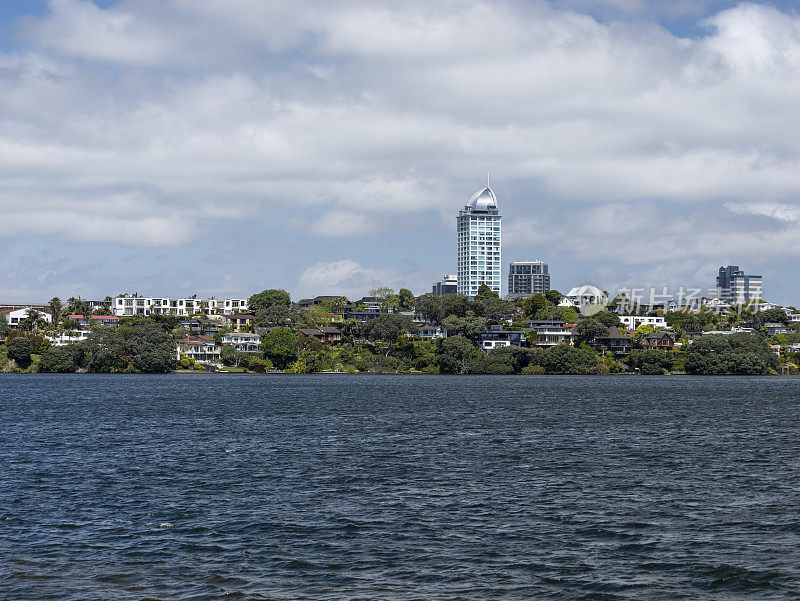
(483, 200)
(584, 291)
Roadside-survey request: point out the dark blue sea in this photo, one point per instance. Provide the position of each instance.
(194, 487)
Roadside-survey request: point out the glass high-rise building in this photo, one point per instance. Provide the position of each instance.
(736, 287)
(526, 278)
(479, 243)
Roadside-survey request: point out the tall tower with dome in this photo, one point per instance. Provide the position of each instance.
(478, 225)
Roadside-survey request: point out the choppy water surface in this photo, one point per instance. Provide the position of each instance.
(361, 487)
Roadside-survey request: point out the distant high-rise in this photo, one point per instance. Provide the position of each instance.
(526, 278)
(479, 244)
(736, 287)
(447, 285)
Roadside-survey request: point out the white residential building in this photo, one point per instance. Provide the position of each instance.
(583, 296)
(430, 331)
(15, 316)
(634, 321)
(550, 332)
(244, 342)
(478, 231)
(69, 337)
(182, 307)
(200, 348)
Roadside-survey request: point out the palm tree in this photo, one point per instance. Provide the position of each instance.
(55, 310)
(33, 321)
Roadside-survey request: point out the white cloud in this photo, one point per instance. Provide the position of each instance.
(345, 277)
(127, 230)
(387, 113)
(775, 210)
(342, 224)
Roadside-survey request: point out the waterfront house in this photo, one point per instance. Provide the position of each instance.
(182, 307)
(632, 322)
(497, 337)
(202, 349)
(207, 327)
(239, 321)
(771, 328)
(69, 337)
(331, 335)
(550, 332)
(616, 342)
(325, 334)
(243, 342)
(660, 341)
(89, 320)
(15, 316)
(430, 331)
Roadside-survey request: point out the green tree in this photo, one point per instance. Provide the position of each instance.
(141, 346)
(517, 357)
(608, 319)
(389, 327)
(385, 296)
(493, 309)
(564, 359)
(485, 292)
(642, 331)
(567, 314)
(228, 355)
(554, 296)
(20, 350)
(725, 354)
(588, 330)
(454, 353)
(61, 359)
(676, 319)
(32, 321)
(775, 315)
(55, 310)
(469, 326)
(267, 299)
(429, 307)
(405, 299)
(4, 329)
(650, 362)
(280, 347)
(534, 306)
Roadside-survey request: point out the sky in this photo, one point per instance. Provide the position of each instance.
(179, 147)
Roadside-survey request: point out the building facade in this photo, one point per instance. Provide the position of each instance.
(447, 285)
(634, 321)
(736, 287)
(15, 316)
(478, 244)
(139, 305)
(200, 348)
(526, 278)
(244, 342)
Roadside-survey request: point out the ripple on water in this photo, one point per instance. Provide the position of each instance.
(403, 488)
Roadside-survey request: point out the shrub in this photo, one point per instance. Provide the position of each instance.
(721, 354)
(60, 359)
(19, 351)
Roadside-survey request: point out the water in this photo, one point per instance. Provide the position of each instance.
(382, 487)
